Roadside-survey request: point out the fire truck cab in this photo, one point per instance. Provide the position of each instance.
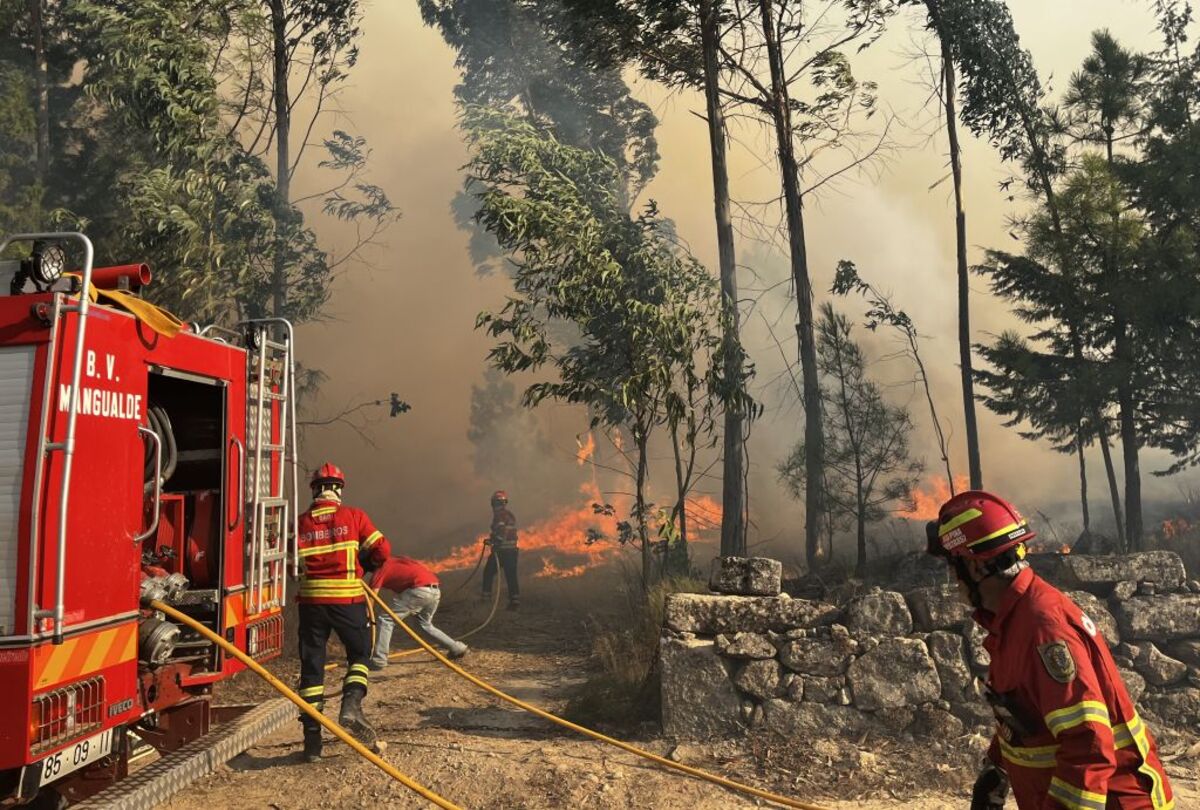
(135, 464)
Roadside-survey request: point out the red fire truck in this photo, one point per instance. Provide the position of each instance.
(134, 465)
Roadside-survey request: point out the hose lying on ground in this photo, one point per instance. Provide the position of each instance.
(306, 708)
(729, 784)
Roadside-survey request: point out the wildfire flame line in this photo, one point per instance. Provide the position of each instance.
(563, 541)
(929, 497)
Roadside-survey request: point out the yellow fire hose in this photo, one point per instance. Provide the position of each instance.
(306, 708)
(729, 784)
(418, 650)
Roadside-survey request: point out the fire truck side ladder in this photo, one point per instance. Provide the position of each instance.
(272, 503)
(67, 445)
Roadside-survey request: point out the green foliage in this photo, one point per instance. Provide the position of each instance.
(868, 469)
(146, 154)
(646, 347)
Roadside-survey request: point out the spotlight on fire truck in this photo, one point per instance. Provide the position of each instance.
(44, 266)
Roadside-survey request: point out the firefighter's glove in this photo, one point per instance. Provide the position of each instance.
(990, 789)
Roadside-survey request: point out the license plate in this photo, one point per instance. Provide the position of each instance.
(74, 757)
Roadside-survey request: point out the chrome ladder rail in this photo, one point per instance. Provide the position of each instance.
(67, 446)
(273, 493)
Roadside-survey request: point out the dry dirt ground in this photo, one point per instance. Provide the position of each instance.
(464, 744)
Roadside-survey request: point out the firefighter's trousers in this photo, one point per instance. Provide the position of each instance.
(507, 561)
(350, 623)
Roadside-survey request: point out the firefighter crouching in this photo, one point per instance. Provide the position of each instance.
(332, 536)
(503, 542)
(1067, 733)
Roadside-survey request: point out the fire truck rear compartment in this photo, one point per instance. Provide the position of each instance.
(188, 414)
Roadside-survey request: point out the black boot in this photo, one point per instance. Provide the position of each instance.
(312, 744)
(353, 720)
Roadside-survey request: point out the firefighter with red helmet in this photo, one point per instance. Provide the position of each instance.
(502, 540)
(332, 536)
(1068, 734)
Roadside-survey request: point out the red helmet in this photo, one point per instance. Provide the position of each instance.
(977, 524)
(328, 474)
(499, 498)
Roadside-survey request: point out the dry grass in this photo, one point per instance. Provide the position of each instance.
(623, 687)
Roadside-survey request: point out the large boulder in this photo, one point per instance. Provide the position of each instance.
(1135, 684)
(1159, 669)
(698, 698)
(760, 679)
(879, 614)
(1100, 573)
(1097, 611)
(1187, 651)
(936, 724)
(1162, 619)
(937, 607)
(977, 655)
(949, 654)
(808, 720)
(899, 672)
(745, 646)
(709, 614)
(1179, 708)
(746, 576)
(819, 689)
(826, 655)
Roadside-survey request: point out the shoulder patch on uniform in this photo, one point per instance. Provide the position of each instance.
(1057, 659)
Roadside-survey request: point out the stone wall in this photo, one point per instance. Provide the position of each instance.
(749, 657)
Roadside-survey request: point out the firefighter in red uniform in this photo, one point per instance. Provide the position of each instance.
(503, 542)
(332, 536)
(1068, 735)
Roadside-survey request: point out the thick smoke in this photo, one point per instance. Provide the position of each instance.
(408, 324)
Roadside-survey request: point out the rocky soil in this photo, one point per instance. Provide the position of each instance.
(457, 740)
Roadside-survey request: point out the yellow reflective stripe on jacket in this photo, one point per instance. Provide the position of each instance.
(1086, 711)
(310, 551)
(1045, 756)
(323, 511)
(372, 539)
(327, 587)
(1074, 798)
(1135, 732)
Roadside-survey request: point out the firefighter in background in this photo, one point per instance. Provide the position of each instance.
(1067, 733)
(503, 542)
(332, 536)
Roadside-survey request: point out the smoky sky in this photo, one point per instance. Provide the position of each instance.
(407, 323)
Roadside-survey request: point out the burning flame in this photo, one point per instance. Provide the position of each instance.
(1174, 528)
(586, 449)
(550, 570)
(929, 497)
(567, 543)
(1064, 549)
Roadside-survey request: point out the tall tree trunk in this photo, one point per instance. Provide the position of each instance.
(1129, 441)
(1083, 486)
(283, 180)
(41, 87)
(860, 568)
(950, 88)
(1122, 532)
(733, 480)
(641, 441)
(1114, 491)
(814, 442)
(680, 504)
